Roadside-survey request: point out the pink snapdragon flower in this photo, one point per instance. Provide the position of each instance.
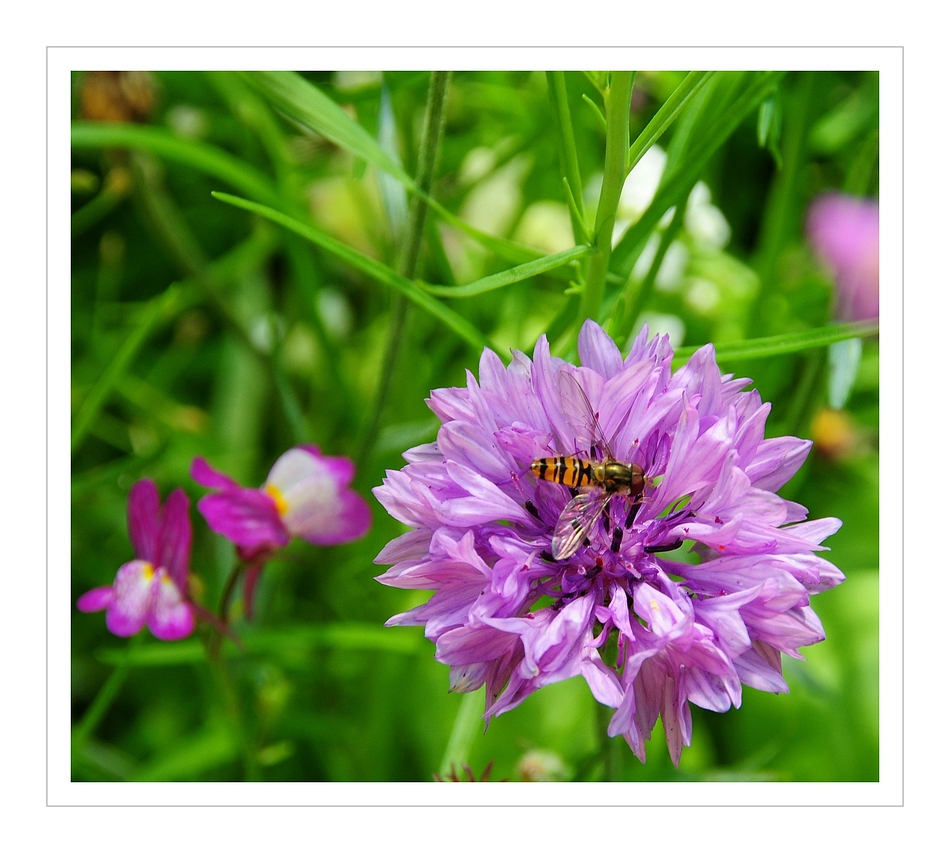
(845, 233)
(151, 590)
(305, 495)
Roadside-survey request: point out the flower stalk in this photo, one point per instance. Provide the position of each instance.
(433, 126)
(617, 107)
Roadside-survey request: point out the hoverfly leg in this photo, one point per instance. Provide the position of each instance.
(632, 514)
(616, 539)
(659, 549)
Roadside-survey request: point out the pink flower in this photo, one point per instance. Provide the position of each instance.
(845, 232)
(151, 590)
(305, 495)
(535, 582)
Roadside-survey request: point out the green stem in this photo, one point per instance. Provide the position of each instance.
(617, 106)
(635, 303)
(567, 152)
(671, 108)
(428, 155)
(103, 699)
(117, 185)
(608, 746)
(468, 720)
(232, 706)
(171, 228)
(783, 211)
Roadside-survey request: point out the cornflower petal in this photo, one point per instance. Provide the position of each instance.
(649, 634)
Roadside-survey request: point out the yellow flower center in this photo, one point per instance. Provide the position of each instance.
(277, 496)
(148, 571)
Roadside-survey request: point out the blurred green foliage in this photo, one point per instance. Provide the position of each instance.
(199, 328)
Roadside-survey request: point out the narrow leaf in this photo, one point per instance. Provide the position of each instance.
(373, 268)
(198, 155)
(671, 108)
(783, 344)
(306, 104)
(509, 276)
(626, 251)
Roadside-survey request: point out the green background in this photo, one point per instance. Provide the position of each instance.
(202, 328)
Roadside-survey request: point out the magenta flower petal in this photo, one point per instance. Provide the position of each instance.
(134, 598)
(204, 475)
(649, 634)
(247, 517)
(317, 505)
(96, 599)
(306, 495)
(144, 528)
(174, 541)
(171, 617)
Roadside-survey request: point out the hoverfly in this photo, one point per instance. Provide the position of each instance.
(598, 480)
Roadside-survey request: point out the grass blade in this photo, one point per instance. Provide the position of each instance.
(672, 107)
(188, 152)
(306, 104)
(628, 249)
(372, 268)
(784, 344)
(509, 276)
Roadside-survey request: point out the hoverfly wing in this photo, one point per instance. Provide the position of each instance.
(579, 413)
(576, 522)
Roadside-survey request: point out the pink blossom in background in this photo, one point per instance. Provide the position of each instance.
(151, 590)
(845, 232)
(305, 495)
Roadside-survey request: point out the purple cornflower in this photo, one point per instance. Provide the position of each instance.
(306, 494)
(648, 629)
(845, 232)
(151, 590)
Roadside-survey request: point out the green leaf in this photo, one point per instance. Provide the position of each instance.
(306, 104)
(769, 128)
(671, 108)
(198, 155)
(844, 359)
(509, 276)
(783, 344)
(567, 152)
(678, 184)
(161, 309)
(372, 268)
(188, 758)
(350, 636)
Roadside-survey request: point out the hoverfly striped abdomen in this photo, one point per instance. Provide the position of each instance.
(570, 471)
(593, 480)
